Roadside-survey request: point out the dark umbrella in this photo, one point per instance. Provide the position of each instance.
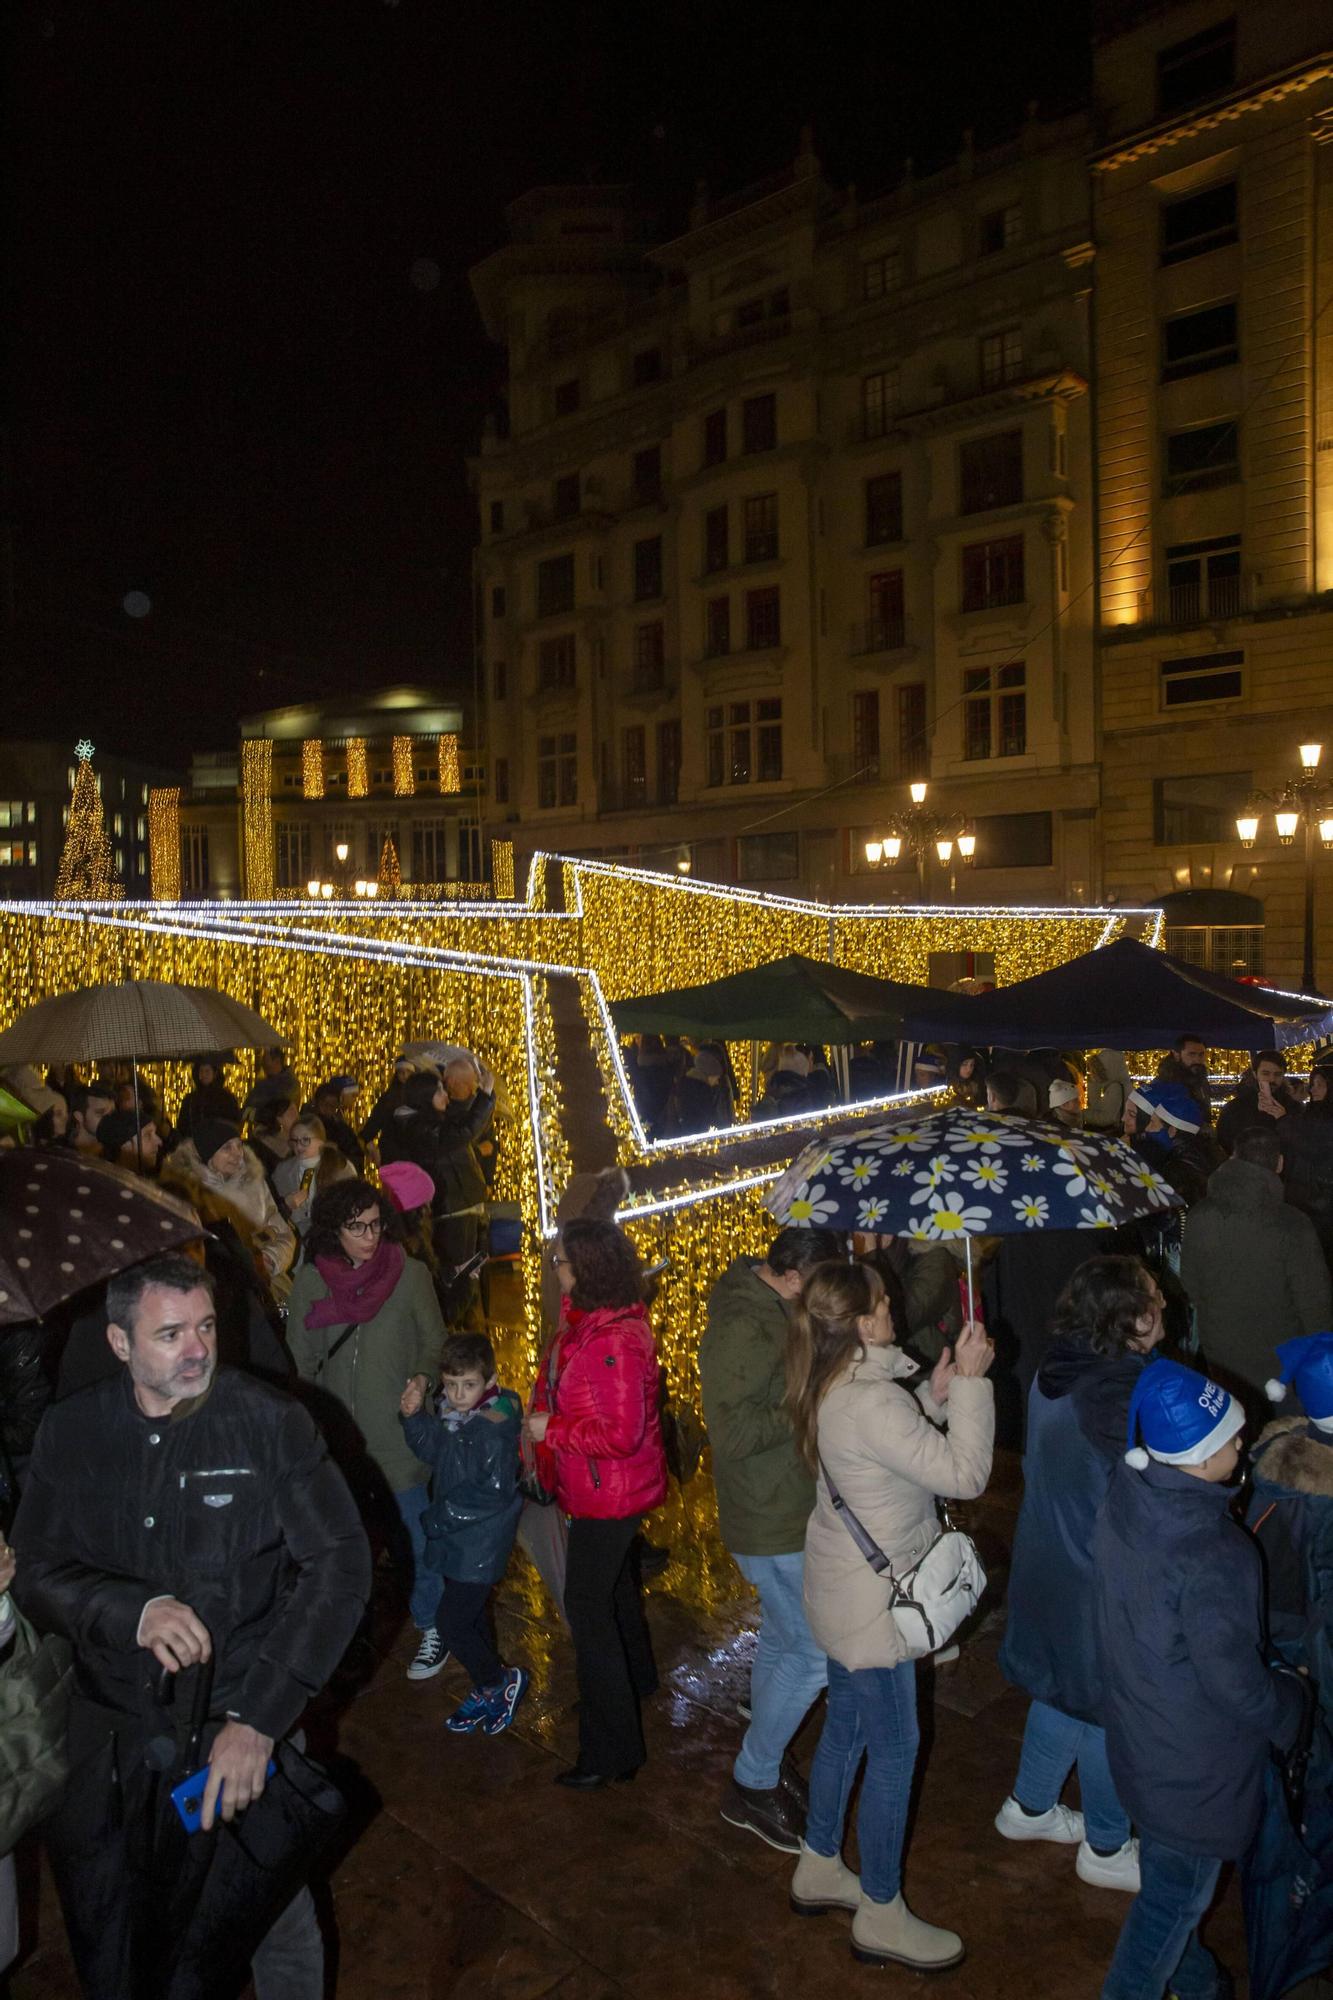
(67, 1222)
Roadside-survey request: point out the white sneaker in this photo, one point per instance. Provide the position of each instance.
(1059, 1824)
(431, 1656)
(1110, 1871)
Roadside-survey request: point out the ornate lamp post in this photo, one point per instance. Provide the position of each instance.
(918, 828)
(1305, 802)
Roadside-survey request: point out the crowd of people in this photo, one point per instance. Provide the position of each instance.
(313, 1388)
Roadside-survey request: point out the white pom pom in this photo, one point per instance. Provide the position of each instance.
(1137, 1457)
(1275, 1391)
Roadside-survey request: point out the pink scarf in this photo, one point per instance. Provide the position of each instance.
(356, 1291)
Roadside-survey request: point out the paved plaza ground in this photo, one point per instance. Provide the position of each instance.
(474, 1877)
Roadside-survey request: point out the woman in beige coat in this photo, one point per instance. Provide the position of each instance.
(860, 1420)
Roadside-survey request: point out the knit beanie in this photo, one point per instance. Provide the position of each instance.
(210, 1135)
(407, 1185)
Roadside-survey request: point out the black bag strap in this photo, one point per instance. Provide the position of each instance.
(339, 1343)
(861, 1535)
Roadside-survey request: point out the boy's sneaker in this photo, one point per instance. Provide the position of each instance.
(1059, 1824)
(470, 1714)
(502, 1699)
(431, 1656)
(774, 1816)
(1110, 1871)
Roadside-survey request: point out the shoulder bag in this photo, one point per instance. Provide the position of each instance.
(531, 1483)
(930, 1600)
(36, 1679)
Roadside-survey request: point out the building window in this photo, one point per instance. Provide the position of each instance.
(430, 862)
(646, 367)
(646, 472)
(995, 711)
(879, 402)
(1197, 809)
(884, 508)
(717, 552)
(648, 568)
(634, 765)
(194, 861)
(717, 627)
(555, 586)
(649, 655)
(993, 574)
(865, 733)
(1202, 67)
(565, 496)
(558, 770)
(884, 605)
(990, 472)
(18, 853)
(1194, 342)
(763, 619)
(1203, 580)
(715, 437)
(1001, 357)
(1014, 840)
(497, 517)
(744, 743)
(13, 812)
(761, 527)
(501, 781)
(556, 663)
(567, 397)
(1206, 455)
(668, 762)
(293, 854)
(759, 423)
(1202, 677)
(913, 749)
(499, 681)
(881, 275)
(1001, 227)
(768, 857)
(497, 600)
(1198, 223)
(1234, 950)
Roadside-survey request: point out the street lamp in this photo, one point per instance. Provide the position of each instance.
(1302, 802)
(920, 829)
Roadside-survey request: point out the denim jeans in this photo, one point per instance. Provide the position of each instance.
(424, 1601)
(789, 1669)
(1159, 1942)
(1052, 1743)
(871, 1713)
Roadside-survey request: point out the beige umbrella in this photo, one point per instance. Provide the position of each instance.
(141, 1020)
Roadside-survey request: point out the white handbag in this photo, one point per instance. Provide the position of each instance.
(943, 1586)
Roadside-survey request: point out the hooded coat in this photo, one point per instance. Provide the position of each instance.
(246, 1201)
(1077, 1416)
(764, 1493)
(1290, 1515)
(1255, 1272)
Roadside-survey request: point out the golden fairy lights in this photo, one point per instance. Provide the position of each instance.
(451, 769)
(164, 843)
(312, 768)
(358, 770)
(502, 870)
(390, 873)
(87, 869)
(257, 816)
(404, 768)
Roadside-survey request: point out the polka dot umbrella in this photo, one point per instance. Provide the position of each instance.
(67, 1222)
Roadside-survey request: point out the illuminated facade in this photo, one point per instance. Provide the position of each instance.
(1213, 220)
(792, 510)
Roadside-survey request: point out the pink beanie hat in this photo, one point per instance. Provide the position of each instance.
(406, 1185)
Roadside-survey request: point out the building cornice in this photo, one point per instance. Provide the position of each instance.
(1157, 138)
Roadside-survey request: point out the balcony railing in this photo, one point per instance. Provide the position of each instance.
(879, 635)
(1204, 603)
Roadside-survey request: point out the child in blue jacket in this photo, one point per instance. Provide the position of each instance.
(1190, 1705)
(471, 1448)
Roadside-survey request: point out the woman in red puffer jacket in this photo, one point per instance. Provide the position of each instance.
(595, 1418)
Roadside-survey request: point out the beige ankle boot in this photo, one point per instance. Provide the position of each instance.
(823, 1882)
(889, 1932)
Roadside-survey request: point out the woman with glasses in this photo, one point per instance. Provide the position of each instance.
(595, 1421)
(362, 1321)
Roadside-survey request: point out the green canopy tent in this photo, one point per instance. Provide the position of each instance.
(797, 999)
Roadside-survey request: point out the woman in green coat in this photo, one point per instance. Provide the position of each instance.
(362, 1321)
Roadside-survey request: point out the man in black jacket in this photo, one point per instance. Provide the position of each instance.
(451, 1114)
(175, 1514)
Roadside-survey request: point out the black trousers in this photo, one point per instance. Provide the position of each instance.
(464, 1626)
(612, 1649)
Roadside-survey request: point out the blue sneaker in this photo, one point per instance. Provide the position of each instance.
(503, 1699)
(471, 1713)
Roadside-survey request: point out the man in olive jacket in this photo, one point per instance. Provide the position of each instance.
(764, 1497)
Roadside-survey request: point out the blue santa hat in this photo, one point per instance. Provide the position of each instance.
(1182, 1417)
(1170, 1102)
(1306, 1364)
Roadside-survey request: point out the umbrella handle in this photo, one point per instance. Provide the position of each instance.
(971, 1296)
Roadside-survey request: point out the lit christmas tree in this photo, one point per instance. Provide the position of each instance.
(87, 871)
(391, 875)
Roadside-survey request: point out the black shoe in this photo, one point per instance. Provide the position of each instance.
(774, 1816)
(652, 1559)
(793, 1784)
(591, 1781)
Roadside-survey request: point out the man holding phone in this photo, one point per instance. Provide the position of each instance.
(175, 1514)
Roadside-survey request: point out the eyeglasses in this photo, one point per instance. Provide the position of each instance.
(558, 1262)
(371, 1228)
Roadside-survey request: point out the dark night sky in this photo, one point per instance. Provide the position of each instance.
(226, 390)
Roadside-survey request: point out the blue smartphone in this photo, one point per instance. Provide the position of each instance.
(188, 1796)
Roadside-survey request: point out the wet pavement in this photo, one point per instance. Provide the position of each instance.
(472, 1876)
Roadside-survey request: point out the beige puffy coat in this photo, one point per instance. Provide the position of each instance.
(889, 1457)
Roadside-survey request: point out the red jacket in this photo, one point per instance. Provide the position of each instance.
(604, 1435)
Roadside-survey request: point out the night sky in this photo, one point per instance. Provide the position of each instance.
(245, 368)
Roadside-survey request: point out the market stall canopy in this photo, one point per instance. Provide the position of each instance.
(1128, 996)
(796, 999)
(141, 1020)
